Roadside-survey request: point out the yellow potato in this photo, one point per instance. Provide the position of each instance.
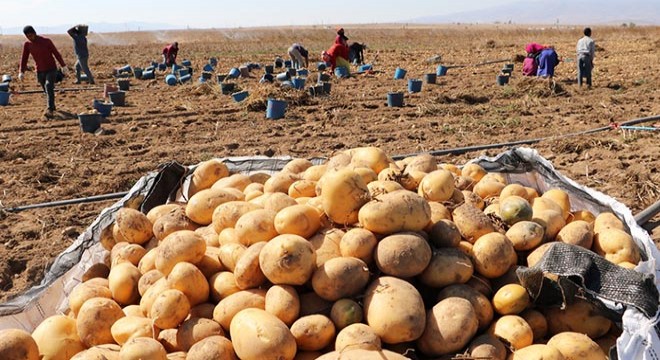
(160, 210)
(283, 302)
(222, 285)
(616, 246)
(357, 336)
(302, 220)
(247, 272)
(169, 309)
(366, 174)
(437, 186)
(256, 226)
(394, 212)
(134, 226)
(174, 220)
(371, 157)
(326, 244)
(314, 172)
(148, 261)
(230, 254)
(133, 310)
(343, 193)
(210, 263)
(473, 199)
(142, 348)
(359, 243)
(403, 255)
(212, 347)
(450, 325)
(203, 311)
(188, 279)
(206, 174)
(278, 201)
(340, 277)
(380, 187)
(577, 232)
(226, 215)
(537, 322)
(488, 347)
(514, 189)
(125, 252)
(147, 300)
(422, 162)
(130, 327)
(473, 171)
(345, 312)
(580, 316)
(252, 343)
(123, 281)
(447, 266)
(259, 177)
(107, 351)
(167, 338)
(574, 346)
(227, 236)
(200, 206)
(480, 303)
(488, 189)
(195, 330)
(95, 320)
(552, 222)
(313, 332)
(560, 197)
(235, 181)
(228, 307)
(514, 330)
(179, 246)
(444, 233)
(538, 352)
(85, 291)
(493, 254)
(472, 222)
(287, 260)
(511, 299)
(56, 338)
(302, 188)
(525, 235)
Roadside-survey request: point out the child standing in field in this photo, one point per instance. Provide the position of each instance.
(586, 49)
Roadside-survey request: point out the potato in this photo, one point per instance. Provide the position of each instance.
(186, 278)
(100, 352)
(584, 215)
(98, 270)
(300, 220)
(148, 261)
(177, 355)
(525, 235)
(204, 311)
(200, 206)
(160, 210)
(228, 307)
(345, 312)
(98, 282)
(448, 266)
(575, 345)
(287, 260)
(259, 177)
(194, 330)
(394, 309)
(283, 302)
(235, 181)
(251, 342)
(142, 348)
(133, 310)
(512, 329)
(307, 355)
(537, 322)
(130, 327)
(361, 354)
(480, 284)
(402, 255)
(256, 226)
(473, 199)
(450, 325)
(560, 197)
(488, 189)
(552, 222)
(326, 244)
(147, 300)
(227, 214)
(515, 190)
(313, 332)
(357, 336)
(343, 193)
(134, 226)
(580, 316)
(444, 233)
(167, 338)
(514, 209)
(169, 309)
(473, 171)
(206, 174)
(438, 212)
(480, 303)
(95, 320)
(56, 338)
(616, 246)
(493, 254)
(107, 239)
(278, 201)
(463, 183)
(371, 157)
(210, 263)
(543, 203)
(280, 182)
(314, 172)
(253, 187)
(125, 252)
(487, 347)
(175, 220)
(576, 233)
(538, 352)
(366, 174)
(147, 280)
(394, 212)
(230, 254)
(222, 285)
(85, 291)
(212, 347)
(123, 281)
(180, 246)
(340, 277)
(437, 186)
(358, 243)
(511, 299)
(472, 222)
(537, 255)
(531, 193)
(380, 187)
(302, 188)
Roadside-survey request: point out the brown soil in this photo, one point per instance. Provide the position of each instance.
(48, 160)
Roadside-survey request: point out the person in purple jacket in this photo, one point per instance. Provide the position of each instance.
(548, 59)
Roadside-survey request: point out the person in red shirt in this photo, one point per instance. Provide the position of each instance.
(341, 39)
(44, 53)
(337, 56)
(169, 54)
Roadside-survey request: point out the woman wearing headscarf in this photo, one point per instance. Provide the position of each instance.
(530, 64)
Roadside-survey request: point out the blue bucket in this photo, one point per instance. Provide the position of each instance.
(207, 75)
(303, 72)
(4, 87)
(327, 87)
(4, 98)
(118, 98)
(323, 77)
(137, 72)
(283, 76)
(234, 73)
(201, 80)
(266, 78)
(292, 72)
(365, 67)
(227, 88)
(341, 72)
(150, 68)
(414, 85)
(278, 63)
(221, 77)
(399, 73)
(502, 80)
(162, 67)
(170, 80)
(298, 83)
(442, 70)
(268, 69)
(89, 122)
(240, 96)
(287, 63)
(150, 74)
(208, 67)
(275, 109)
(183, 72)
(395, 99)
(102, 107)
(321, 66)
(213, 61)
(175, 68)
(286, 84)
(430, 78)
(185, 78)
(154, 64)
(186, 62)
(124, 69)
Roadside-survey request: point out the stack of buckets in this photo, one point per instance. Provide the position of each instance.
(4, 91)
(505, 73)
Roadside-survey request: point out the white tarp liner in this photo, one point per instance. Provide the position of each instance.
(640, 339)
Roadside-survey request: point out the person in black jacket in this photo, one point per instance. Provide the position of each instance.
(356, 53)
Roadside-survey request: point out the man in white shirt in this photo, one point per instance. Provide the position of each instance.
(586, 48)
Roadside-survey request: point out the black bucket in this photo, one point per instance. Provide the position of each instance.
(89, 123)
(227, 88)
(118, 98)
(124, 84)
(430, 78)
(327, 86)
(323, 77)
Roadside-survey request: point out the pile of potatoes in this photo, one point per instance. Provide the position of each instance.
(358, 258)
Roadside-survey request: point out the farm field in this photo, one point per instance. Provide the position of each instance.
(47, 160)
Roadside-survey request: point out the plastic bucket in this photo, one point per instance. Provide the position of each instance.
(150, 68)
(323, 77)
(302, 72)
(266, 78)
(4, 98)
(414, 85)
(509, 66)
(268, 69)
(321, 66)
(283, 76)
(137, 72)
(170, 80)
(221, 77)
(227, 88)
(148, 75)
(89, 122)
(278, 63)
(292, 72)
(430, 78)
(341, 72)
(275, 109)
(208, 67)
(213, 61)
(185, 78)
(4, 87)
(245, 71)
(186, 62)
(442, 70)
(124, 69)
(239, 96)
(395, 99)
(234, 73)
(201, 80)
(154, 64)
(327, 87)
(316, 90)
(124, 84)
(365, 67)
(162, 67)
(286, 84)
(206, 75)
(298, 83)
(107, 89)
(287, 63)
(399, 73)
(102, 107)
(118, 98)
(183, 72)
(506, 71)
(176, 68)
(502, 79)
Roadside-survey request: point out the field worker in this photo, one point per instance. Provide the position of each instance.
(299, 56)
(44, 53)
(79, 35)
(548, 59)
(356, 53)
(586, 49)
(169, 53)
(341, 39)
(337, 56)
(531, 64)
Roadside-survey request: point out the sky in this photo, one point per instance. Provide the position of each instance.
(227, 13)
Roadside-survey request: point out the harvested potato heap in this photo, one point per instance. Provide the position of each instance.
(361, 257)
